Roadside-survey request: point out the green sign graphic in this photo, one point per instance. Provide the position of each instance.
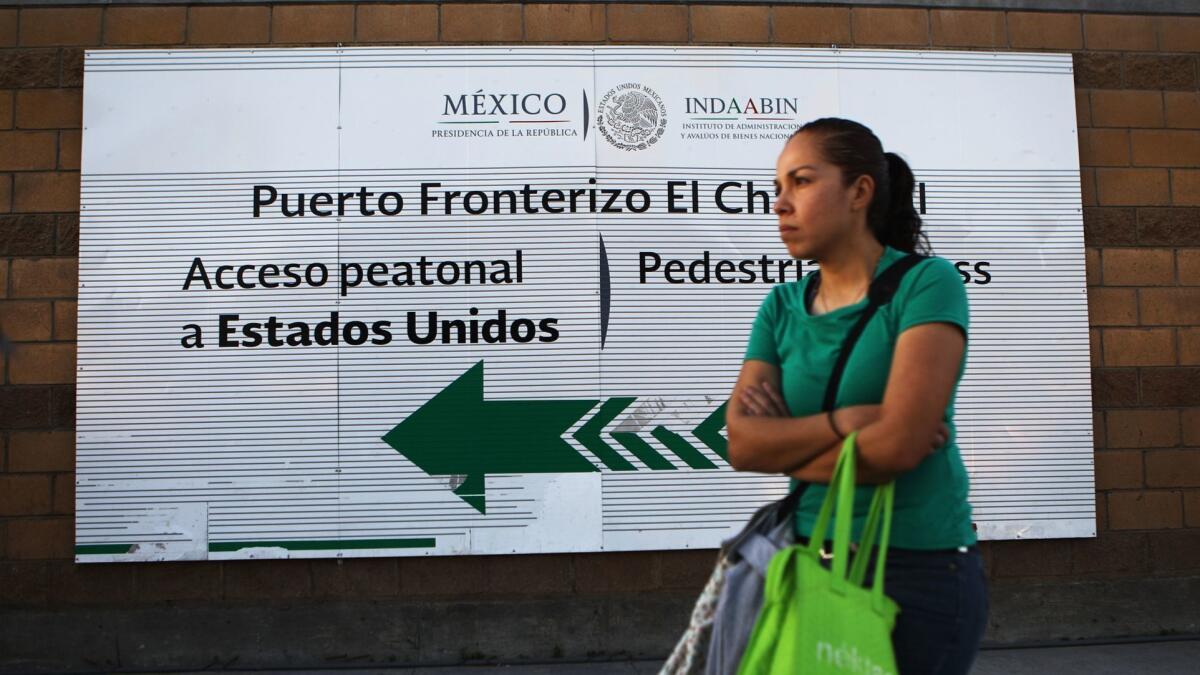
(458, 433)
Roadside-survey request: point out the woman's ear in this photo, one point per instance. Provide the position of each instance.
(861, 192)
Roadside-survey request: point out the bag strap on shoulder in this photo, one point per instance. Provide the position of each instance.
(882, 288)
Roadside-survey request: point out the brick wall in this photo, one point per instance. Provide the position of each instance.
(1139, 117)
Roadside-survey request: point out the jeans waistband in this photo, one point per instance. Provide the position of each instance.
(827, 549)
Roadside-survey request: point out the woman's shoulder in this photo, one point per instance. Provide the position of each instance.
(933, 270)
(932, 291)
(786, 290)
(787, 294)
(931, 259)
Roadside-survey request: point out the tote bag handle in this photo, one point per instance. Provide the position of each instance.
(879, 523)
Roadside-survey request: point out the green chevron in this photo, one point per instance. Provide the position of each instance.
(709, 432)
(589, 434)
(642, 450)
(678, 445)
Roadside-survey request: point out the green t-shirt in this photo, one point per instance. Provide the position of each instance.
(931, 508)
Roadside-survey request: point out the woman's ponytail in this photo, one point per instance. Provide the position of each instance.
(899, 226)
(857, 151)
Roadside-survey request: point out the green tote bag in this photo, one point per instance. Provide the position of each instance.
(816, 620)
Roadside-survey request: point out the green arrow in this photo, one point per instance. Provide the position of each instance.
(709, 432)
(457, 433)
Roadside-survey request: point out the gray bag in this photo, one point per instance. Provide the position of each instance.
(741, 597)
(724, 614)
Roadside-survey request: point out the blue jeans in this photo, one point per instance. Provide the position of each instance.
(943, 609)
(943, 603)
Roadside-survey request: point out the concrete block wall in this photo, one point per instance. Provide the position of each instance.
(1138, 98)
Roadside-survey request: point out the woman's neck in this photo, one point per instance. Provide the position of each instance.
(847, 272)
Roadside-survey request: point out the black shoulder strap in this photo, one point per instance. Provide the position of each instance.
(880, 293)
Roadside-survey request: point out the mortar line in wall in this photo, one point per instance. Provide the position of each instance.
(604, 34)
(607, 35)
(1129, 149)
(1137, 308)
(1142, 452)
(1137, 372)
(58, 63)
(1182, 440)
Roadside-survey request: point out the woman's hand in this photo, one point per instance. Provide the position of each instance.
(940, 437)
(764, 435)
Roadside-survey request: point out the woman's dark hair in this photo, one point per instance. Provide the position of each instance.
(856, 150)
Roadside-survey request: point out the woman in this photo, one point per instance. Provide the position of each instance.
(846, 204)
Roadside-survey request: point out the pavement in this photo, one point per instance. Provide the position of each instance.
(1166, 657)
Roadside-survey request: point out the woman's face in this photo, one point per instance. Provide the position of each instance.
(815, 209)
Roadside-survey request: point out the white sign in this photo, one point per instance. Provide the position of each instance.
(431, 301)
